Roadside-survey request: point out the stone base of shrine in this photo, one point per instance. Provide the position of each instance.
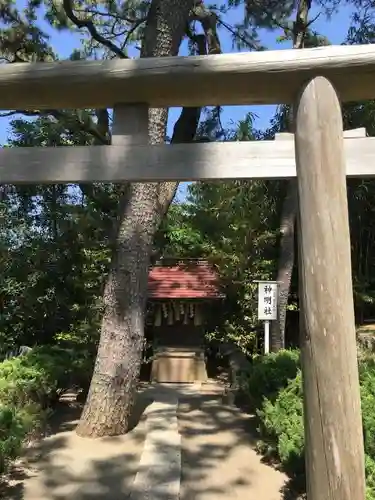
(179, 365)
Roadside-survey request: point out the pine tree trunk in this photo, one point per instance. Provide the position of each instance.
(285, 264)
(289, 210)
(110, 399)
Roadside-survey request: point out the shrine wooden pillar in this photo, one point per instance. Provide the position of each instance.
(333, 427)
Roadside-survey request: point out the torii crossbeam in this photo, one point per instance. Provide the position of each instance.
(319, 157)
(177, 162)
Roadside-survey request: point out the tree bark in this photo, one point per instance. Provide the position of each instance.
(285, 264)
(288, 213)
(111, 395)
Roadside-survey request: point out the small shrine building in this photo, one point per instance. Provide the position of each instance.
(180, 296)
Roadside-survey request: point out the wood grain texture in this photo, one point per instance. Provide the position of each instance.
(268, 77)
(333, 426)
(347, 134)
(178, 162)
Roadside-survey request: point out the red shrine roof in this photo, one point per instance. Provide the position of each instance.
(184, 280)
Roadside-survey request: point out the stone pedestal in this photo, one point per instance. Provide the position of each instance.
(179, 365)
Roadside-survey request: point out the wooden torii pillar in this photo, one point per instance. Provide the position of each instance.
(333, 426)
(319, 157)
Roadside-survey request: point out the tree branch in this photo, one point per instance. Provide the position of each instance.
(208, 20)
(301, 24)
(89, 25)
(132, 29)
(89, 127)
(186, 126)
(102, 127)
(96, 12)
(251, 44)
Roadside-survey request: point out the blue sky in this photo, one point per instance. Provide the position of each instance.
(336, 30)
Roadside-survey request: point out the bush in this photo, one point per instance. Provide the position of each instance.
(268, 375)
(31, 384)
(280, 414)
(281, 426)
(15, 425)
(62, 369)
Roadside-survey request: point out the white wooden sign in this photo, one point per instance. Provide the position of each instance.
(267, 300)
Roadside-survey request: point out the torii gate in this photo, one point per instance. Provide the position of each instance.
(319, 157)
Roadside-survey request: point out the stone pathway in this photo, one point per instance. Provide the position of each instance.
(159, 471)
(188, 445)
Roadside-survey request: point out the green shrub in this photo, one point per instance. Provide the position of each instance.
(31, 384)
(280, 414)
(269, 374)
(281, 426)
(62, 369)
(370, 477)
(21, 388)
(15, 425)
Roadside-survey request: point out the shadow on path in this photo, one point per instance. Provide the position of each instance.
(218, 457)
(63, 465)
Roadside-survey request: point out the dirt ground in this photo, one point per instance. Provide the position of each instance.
(218, 457)
(65, 466)
(218, 460)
